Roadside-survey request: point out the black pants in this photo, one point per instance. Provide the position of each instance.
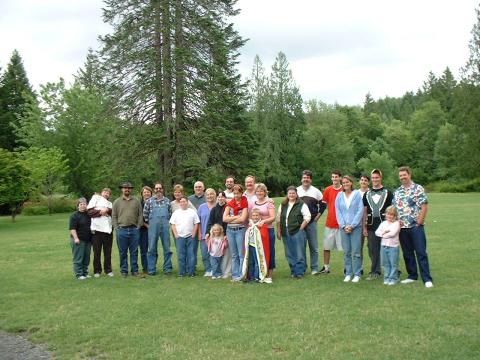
(99, 240)
(374, 245)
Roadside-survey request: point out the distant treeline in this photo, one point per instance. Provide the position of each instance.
(162, 100)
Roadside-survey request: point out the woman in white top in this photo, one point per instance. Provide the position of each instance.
(349, 211)
(293, 216)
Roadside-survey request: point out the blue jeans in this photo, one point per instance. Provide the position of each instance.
(390, 256)
(159, 228)
(352, 246)
(253, 268)
(205, 256)
(294, 252)
(127, 241)
(143, 245)
(216, 266)
(271, 238)
(414, 248)
(312, 240)
(186, 260)
(195, 248)
(236, 238)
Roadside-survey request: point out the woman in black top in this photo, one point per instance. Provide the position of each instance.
(216, 217)
(80, 240)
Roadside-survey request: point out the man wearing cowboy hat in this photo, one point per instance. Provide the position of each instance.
(127, 218)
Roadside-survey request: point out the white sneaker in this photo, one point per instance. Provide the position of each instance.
(390, 283)
(96, 275)
(207, 274)
(81, 278)
(267, 280)
(314, 272)
(428, 284)
(408, 281)
(356, 279)
(110, 274)
(385, 282)
(347, 278)
(87, 276)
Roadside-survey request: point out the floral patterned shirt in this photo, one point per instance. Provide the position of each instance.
(408, 202)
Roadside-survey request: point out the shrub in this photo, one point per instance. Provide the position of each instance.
(445, 186)
(60, 204)
(35, 210)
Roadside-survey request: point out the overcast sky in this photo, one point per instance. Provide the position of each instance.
(338, 50)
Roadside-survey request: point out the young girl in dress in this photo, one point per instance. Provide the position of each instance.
(217, 243)
(388, 231)
(255, 263)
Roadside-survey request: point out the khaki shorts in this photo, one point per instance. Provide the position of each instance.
(332, 239)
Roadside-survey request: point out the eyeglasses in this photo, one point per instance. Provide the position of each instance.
(158, 188)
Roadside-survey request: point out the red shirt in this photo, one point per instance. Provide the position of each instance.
(329, 196)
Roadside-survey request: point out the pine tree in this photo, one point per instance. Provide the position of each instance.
(16, 93)
(284, 124)
(169, 61)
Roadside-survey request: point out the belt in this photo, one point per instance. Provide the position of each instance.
(127, 227)
(236, 228)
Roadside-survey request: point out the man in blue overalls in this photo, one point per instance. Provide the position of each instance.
(156, 213)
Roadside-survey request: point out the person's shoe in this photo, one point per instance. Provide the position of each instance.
(81, 277)
(152, 274)
(408, 281)
(135, 274)
(372, 276)
(110, 274)
(428, 284)
(347, 278)
(87, 276)
(298, 277)
(356, 279)
(96, 275)
(386, 282)
(390, 283)
(207, 274)
(267, 280)
(324, 271)
(314, 272)
(124, 275)
(192, 275)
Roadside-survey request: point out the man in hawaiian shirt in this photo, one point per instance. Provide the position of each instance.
(412, 204)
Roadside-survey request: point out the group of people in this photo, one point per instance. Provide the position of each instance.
(236, 233)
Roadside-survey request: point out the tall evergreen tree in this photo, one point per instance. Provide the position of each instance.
(169, 59)
(284, 125)
(471, 70)
(16, 93)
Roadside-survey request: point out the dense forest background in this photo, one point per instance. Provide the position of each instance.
(162, 100)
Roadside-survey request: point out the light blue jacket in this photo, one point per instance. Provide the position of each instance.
(354, 214)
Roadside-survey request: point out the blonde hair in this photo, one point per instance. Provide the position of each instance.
(256, 211)
(178, 187)
(392, 211)
(216, 226)
(210, 190)
(262, 187)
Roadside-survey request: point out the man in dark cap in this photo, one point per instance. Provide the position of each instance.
(127, 218)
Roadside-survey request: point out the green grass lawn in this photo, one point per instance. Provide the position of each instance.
(316, 318)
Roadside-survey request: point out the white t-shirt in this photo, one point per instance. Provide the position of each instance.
(101, 223)
(184, 220)
(312, 192)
